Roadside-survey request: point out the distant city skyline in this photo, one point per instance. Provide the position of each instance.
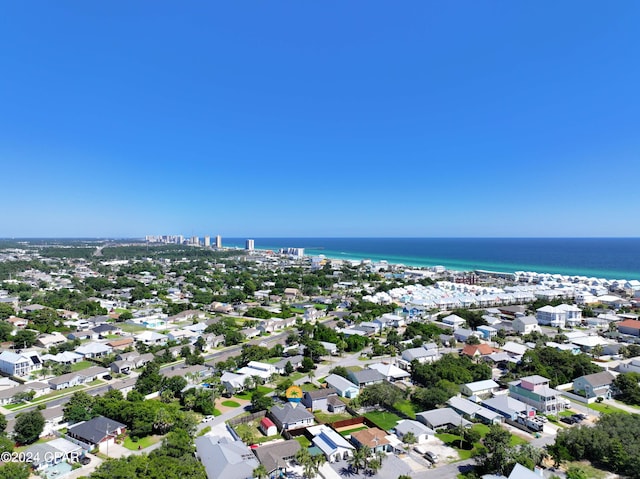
(473, 119)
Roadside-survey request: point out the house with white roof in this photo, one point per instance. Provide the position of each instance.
(151, 338)
(480, 389)
(94, 350)
(421, 432)
(422, 355)
(334, 447)
(19, 365)
(256, 368)
(225, 459)
(454, 321)
(390, 372)
(233, 382)
(551, 316)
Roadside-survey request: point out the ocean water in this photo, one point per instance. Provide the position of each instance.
(613, 258)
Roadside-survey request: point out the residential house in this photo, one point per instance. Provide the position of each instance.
(471, 410)
(422, 355)
(365, 377)
(454, 321)
(488, 332)
(535, 391)
(507, 406)
(83, 335)
(120, 344)
(224, 458)
(257, 368)
(551, 316)
(343, 387)
(179, 335)
(42, 456)
(330, 348)
(594, 385)
(463, 334)
(94, 350)
(525, 325)
(99, 432)
(48, 340)
(477, 351)
(20, 365)
(296, 362)
(232, 382)
(275, 456)
(151, 338)
(442, 418)
(420, 432)
(65, 357)
(374, 438)
(288, 417)
(390, 372)
(629, 326)
(318, 400)
(515, 350)
(105, 330)
(334, 446)
(480, 389)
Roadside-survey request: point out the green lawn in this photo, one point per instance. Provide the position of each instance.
(385, 420)
(143, 442)
(304, 442)
(351, 431)
(246, 395)
(605, 408)
(62, 392)
(453, 440)
(354, 368)
(13, 406)
(251, 433)
(80, 365)
(328, 418)
(591, 472)
(131, 328)
(320, 307)
(309, 387)
(95, 382)
(230, 404)
(407, 407)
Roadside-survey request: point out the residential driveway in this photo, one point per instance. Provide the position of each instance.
(392, 467)
(85, 471)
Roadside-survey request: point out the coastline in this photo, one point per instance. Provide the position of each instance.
(423, 261)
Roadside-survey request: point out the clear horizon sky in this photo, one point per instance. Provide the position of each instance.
(325, 119)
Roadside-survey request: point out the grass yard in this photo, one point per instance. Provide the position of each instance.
(351, 431)
(62, 392)
(250, 433)
(230, 403)
(142, 443)
(384, 419)
(406, 407)
(605, 408)
(591, 472)
(355, 368)
(204, 431)
(246, 395)
(309, 387)
(328, 418)
(80, 365)
(453, 440)
(131, 328)
(304, 442)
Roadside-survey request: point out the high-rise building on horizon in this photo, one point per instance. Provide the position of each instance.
(218, 241)
(207, 241)
(249, 245)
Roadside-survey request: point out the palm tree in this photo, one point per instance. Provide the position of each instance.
(358, 459)
(260, 472)
(311, 374)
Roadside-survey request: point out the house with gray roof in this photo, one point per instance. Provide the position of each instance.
(275, 456)
(98, 432)
(223, 458)
(470, 410)
(296, 362)
(444, 417)
(290, 417)
(94, 350)
(509, 407)
(366, 377)
(594, 385)
(318, 400)
(343, 387)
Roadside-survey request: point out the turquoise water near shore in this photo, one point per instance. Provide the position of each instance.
(613, 258)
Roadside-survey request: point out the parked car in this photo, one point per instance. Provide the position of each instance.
(568, 420)
(207, 418)
(431, 456)
(85, 460)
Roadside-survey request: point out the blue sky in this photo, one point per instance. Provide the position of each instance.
(473, 118)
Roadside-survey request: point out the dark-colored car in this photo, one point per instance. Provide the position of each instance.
(85, 460)
(107, 377)
(569, 420)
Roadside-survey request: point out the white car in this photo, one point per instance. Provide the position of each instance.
(207, 418)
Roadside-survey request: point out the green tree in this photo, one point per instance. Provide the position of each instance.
(79, 407)
(288, 368)
(260, 402)
(28, 427)
(24, 338)
(6, 311)
(3, 423)
(14, 470)
(260, 472)
(150, 379)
